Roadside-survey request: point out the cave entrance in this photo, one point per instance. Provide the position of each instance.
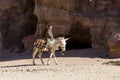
(74, 44)
(80, 37)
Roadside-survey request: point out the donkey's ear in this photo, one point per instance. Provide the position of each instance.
(67, 39)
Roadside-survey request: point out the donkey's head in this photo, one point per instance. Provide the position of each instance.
(63, 43)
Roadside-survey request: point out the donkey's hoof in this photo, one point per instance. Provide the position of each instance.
(56, 63)
(48, 64)
(42, 63)
(33, 63)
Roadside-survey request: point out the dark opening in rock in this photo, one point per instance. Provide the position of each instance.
(74, 44)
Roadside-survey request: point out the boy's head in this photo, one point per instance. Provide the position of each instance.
(49, 27)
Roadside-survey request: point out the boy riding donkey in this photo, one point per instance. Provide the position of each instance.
(50, 38)
(51, 45)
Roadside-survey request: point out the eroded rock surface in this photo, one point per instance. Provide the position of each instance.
(16, 21)
(84, 21)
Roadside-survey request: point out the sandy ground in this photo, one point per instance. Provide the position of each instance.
(82, 64)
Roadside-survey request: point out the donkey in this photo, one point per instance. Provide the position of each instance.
(39, 46)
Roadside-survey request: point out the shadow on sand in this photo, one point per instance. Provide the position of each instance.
(18, 65)
(89, 53)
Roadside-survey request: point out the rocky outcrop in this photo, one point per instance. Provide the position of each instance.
(16, 21)
(29, 41)
(114, 44)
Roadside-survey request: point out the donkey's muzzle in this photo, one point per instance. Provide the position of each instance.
(62, 53)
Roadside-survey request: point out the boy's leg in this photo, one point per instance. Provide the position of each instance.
(47, 44)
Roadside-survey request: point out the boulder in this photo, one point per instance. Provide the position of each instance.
(29, 41)
(114, 44)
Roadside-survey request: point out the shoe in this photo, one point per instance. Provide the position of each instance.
(45, 49)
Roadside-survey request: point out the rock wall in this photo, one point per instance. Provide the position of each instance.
(16, 21)
(66, 17)
(84, 21)
(76, 17)
(114, 44)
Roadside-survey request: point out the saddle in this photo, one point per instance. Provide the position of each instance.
(39, 43)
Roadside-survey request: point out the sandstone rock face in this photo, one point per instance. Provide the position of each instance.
(114, 44)
(84, 21)
(29, 41)
(65, 17)
(81, 20)
(16, 21)
(1, 37)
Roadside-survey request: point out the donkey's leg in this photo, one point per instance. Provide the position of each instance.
(40, 56)
(55, 59)
(34, 54)
(48, 61)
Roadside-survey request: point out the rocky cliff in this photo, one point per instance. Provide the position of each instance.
(84, 21)
(16, 21)
(87, 22)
